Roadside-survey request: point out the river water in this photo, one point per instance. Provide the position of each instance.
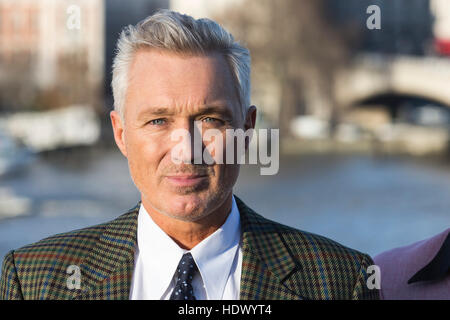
(368, 203)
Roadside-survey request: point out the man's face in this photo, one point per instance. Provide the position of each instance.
(167, 92)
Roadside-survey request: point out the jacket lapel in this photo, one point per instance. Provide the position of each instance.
(269, 270)
(108, 270)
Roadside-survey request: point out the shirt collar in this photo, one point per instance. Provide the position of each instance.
(161, 255)
(158, 253)
(217, 252)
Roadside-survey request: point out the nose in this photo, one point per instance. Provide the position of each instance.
(187, 144)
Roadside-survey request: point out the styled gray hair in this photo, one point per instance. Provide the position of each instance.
(179, 33)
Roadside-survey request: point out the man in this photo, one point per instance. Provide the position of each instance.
(418, 271)
(189, 237)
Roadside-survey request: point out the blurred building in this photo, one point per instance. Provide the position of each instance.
(406, 25)
(265, 89)
(441, 28)
(51, 53)
(120, 13)
(202, 8)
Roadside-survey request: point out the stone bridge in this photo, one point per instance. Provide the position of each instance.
(374, 76)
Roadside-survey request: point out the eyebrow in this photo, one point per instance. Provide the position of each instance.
(157, 111)
(223, 110)
(164, 111)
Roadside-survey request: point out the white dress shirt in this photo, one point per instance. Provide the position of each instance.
(218, 257)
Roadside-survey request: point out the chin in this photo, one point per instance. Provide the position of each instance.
(195, 206)
(188, 207)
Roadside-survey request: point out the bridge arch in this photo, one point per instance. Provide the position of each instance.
(397, 77)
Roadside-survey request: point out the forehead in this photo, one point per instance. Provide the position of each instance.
(158, 78)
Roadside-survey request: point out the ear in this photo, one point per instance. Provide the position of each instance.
(119, 131)
(250, 122)
(250, 119)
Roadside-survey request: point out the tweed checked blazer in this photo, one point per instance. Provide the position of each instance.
(278, 262)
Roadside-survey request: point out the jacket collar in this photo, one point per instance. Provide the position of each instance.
(107, 271)
(265, 249)
(438, 267)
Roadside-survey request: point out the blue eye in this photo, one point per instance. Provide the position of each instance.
(210, 119)
(157, 122)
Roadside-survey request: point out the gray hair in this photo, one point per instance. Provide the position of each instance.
(175, 32)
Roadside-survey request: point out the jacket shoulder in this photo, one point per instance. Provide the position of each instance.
(35, 264)
(72, 245)
(302, 242)
(341, 272)
(29, 269)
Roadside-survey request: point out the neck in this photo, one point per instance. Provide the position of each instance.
(187, 234)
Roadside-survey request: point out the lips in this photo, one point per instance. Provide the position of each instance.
(186, 180)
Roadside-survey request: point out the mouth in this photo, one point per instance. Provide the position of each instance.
(186, 180)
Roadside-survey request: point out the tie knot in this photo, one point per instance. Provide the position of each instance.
(187, 268)
(184, 274)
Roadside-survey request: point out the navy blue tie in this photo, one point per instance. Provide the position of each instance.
(186, 271)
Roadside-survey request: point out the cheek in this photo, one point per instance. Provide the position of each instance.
(144, 155)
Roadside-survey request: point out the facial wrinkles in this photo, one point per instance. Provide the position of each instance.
(182, 94)
(185, 99)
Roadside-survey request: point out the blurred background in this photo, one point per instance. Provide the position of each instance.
(360, 94)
